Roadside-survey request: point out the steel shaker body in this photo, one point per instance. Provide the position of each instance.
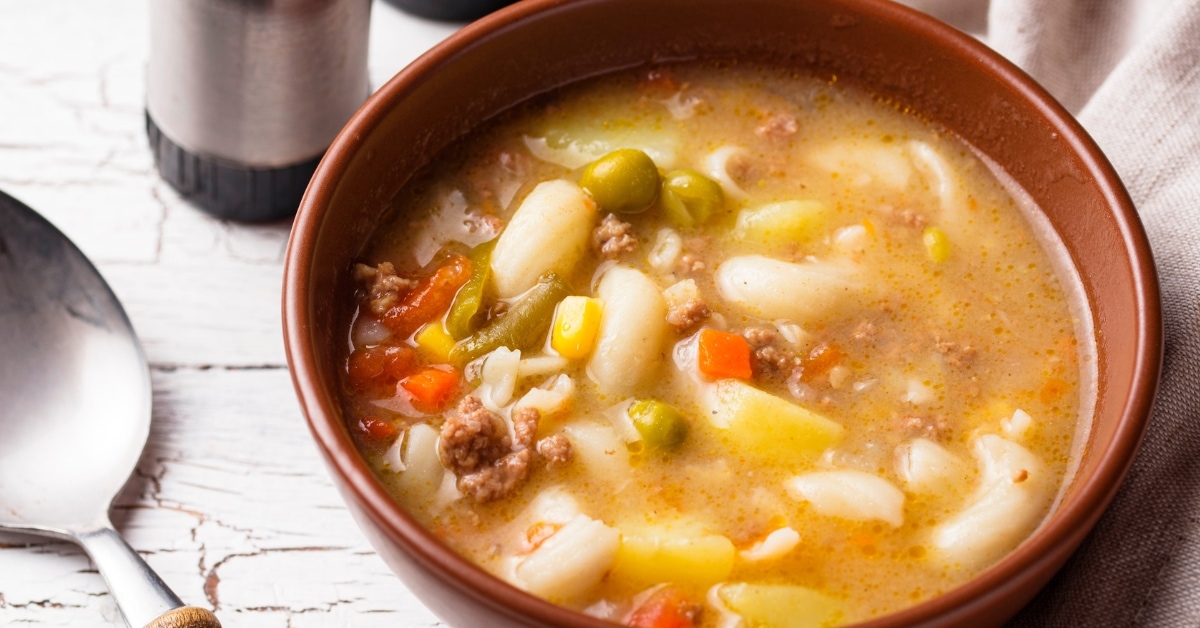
(244, 96)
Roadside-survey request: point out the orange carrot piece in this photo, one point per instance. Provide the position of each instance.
(430, 298)
(722, 355)
(431, 388)
(666, 608)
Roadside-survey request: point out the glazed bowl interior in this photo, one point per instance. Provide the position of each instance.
(902, 57)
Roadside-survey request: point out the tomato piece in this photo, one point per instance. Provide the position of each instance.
(381, 365)
(376, 432)
(722, 355)
(430, 298)
(431, 388)
(667, 607)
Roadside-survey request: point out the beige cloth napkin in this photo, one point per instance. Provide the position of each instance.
(1130, 71)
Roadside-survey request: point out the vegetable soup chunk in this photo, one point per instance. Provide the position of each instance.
(701, 346)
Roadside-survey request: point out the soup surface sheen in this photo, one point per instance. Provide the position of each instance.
(809, 366)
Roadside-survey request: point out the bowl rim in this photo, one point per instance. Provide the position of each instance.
(1047, 548)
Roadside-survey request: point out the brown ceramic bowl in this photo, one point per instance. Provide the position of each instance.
(899, 54)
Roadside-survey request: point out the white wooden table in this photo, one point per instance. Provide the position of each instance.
(230, 503)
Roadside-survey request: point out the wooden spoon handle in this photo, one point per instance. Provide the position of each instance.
(185, 617)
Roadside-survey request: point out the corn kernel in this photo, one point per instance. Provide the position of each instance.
(434, 342)
(937, 245)
(576, 324)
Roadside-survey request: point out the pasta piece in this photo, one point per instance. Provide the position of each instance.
(772, 288)
(775, 545)
(864, 162)
(570, 562)
(633, 330)
(926, 467)
(942, 179)
(499, 378)
(580, 141)
(1016, 426)
(570, 156)
(717, 166)
(1010, 499)
(423, 471)
(551, 398)
(848, 494)
(552, 509)
(550, 231)
(665, 252)
(598, 450)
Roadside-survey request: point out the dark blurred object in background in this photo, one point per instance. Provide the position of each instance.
(450, 10)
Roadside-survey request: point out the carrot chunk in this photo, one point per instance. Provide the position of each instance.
(431, 388)
(666, 608)
(430, 298)
(723, 355)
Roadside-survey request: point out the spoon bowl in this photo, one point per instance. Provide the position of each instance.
(74, 409)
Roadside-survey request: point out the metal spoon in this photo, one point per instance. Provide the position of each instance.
(74, 410)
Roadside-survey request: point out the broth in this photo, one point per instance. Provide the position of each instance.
(818, 368)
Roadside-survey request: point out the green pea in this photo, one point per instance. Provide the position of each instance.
(661, 425)
(690, 198)
(624, 181)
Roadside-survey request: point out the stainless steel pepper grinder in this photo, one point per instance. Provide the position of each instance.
(244, 96)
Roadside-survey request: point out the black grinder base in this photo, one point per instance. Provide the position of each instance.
(226, 189)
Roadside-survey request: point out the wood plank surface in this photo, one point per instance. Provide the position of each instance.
(230, 502)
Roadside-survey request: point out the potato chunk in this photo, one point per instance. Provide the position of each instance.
(765, 426)
(780, 606)
(548, 232)
(650, 557)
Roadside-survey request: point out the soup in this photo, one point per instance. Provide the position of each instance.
(718, 346)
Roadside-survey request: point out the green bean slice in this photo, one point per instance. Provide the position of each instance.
(522, 327)
(460, 321)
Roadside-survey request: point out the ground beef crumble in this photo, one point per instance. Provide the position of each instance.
(472, 437)
(865, 331)
(490, 464)
(955, 354)
(498, 479)
(688, 314)
(612, 238)
(778, 126)
(384, 286)
(767, 357)
(556, 449)
(915, 426)
(525, 425)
